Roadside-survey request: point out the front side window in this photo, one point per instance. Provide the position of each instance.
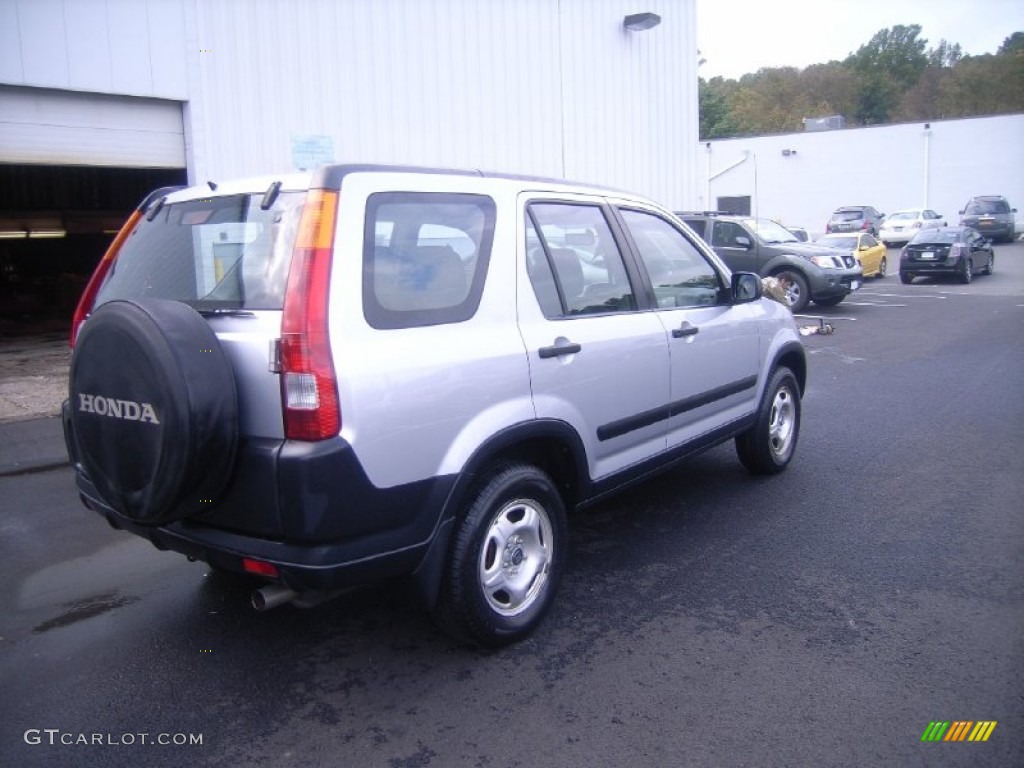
(425, 257)
(574, 262)
(679, 273)
(215, 253)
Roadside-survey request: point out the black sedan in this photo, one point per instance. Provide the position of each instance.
(961, 252)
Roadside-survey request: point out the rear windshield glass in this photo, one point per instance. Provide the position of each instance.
(936, 236)
(215, 253)
(988, 206)
(847, 215)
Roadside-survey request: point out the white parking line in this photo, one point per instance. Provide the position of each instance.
(910, 295)
(824, 317)
(871, 304)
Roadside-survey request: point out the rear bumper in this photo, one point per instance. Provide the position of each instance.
(306, 508)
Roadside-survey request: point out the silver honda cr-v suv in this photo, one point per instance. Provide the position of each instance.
(362, 373)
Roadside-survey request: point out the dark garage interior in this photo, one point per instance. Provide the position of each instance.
(55, 224)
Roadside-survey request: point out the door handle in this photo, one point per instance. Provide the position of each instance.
(559, 348)
(686, 329)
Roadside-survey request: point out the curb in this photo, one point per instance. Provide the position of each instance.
(17, 468)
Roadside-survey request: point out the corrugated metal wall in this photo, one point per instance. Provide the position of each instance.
(550, 87)
(123, 47)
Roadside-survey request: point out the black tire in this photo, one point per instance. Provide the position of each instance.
(506, 558)
(883, 268)
(154, 411)
(907, 277)
(830, 302)
(991, 263)
(967, 272)
(799, 294)
(768, 446)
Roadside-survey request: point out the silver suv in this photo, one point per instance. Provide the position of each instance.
(992, 216)
(363, 373)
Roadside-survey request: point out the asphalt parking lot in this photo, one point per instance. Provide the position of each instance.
(826, 616)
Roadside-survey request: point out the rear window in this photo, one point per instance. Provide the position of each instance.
(847, 215)
(215, 253)
(988, 206)
(936, 236)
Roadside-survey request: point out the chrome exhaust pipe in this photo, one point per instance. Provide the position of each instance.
(271, 596)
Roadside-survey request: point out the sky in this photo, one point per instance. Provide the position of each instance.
(737, 37)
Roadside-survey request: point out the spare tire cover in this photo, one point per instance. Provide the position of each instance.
(154, 410)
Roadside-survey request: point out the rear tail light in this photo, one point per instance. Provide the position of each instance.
(309, 388)
(260, 568)
(99, 275)
(865, 225)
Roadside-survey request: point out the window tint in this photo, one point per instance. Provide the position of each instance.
(216, 253)
(869, 241)
(698, 226)
(425, 257)
(988, 206)
(724, 234)
(679, 273)
(583, 261)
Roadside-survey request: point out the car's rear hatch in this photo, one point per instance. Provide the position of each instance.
(226, 255)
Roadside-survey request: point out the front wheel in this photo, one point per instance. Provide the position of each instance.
(797, 294)
(768, 446)
(991, 264)
(506, 558)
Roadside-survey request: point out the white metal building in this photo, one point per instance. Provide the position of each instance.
(235, 87)
(800, 178)
(103, 100)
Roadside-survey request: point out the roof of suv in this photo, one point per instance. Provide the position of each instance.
(331, 177)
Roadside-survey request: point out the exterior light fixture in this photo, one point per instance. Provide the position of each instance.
(638, 22)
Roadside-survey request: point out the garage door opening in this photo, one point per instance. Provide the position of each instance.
(55, 224)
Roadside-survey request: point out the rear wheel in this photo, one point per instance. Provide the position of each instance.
(768, 446)
(506, 558)
(883, 266)
(907, 277)
(967, 271)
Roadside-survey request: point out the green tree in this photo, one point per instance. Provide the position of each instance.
(1013, 45)
(896, 53)
(716, 121)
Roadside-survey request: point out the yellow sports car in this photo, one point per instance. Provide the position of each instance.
(865, 248)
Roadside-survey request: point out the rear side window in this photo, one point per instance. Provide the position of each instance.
(425, 257)
(214, 253)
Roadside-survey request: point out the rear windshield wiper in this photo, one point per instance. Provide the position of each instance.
(224, 312)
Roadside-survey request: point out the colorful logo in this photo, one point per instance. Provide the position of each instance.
(958, 730)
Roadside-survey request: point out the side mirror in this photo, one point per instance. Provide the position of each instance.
(746, 287)
(961, 213)
(743, 242)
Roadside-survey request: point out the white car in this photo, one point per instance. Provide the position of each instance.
(901, 226)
